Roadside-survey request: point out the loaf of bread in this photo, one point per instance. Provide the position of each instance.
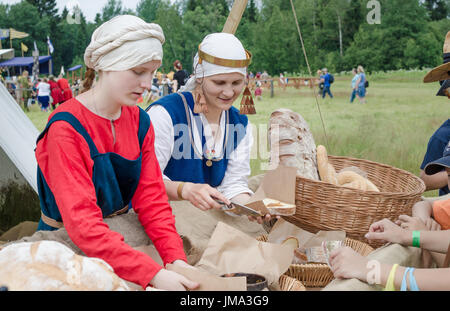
(292, 241)
(51, 266)
(352, 179)
(327, 172)
(291, 143)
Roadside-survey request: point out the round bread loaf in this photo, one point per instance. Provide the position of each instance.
(291, 143)
(51, 266)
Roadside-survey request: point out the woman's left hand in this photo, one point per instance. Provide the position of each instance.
(347, 264)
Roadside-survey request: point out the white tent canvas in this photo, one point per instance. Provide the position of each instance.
(17, 142)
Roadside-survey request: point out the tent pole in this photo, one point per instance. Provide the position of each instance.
(234, 18)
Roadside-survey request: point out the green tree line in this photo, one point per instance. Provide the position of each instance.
(336, 33)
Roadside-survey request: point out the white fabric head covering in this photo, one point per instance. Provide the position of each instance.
(124, 42)
(222, 45)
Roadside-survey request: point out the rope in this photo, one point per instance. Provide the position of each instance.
(310, 73)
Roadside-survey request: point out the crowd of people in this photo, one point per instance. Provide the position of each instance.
(359, 84)
(47, 92)
(129, 161)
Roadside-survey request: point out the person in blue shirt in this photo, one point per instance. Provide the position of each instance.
(441, 137)
(325, 79)
(354, 88)
(360, 86)
(435, 148)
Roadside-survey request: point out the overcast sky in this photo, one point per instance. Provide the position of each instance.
(88, 7)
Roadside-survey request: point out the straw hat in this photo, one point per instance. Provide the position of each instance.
(441, 72)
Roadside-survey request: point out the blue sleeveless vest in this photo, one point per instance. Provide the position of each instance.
(115, 178)
(188, 164)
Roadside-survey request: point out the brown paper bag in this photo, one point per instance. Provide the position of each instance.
(308, 241)
(277, 184)
(231, 251)
(283, 230)
(321, 236)
(210, 282)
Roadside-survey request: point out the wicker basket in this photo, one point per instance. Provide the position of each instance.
(324, 206)
(290, 284)
(319, 275)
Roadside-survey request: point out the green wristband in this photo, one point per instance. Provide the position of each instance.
(416, 238)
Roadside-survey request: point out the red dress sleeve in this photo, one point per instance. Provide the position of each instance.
(151, 204)
(64, 158)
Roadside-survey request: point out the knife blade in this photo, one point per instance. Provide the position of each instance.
(239, 209)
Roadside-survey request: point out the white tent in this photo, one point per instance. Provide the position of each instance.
(6, 54)
(17, 142)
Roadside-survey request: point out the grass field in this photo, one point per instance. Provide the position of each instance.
(393, 127)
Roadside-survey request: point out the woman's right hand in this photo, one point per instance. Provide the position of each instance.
(172, 281)
(203, 196)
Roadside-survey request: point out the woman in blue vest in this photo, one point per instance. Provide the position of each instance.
(202, 142)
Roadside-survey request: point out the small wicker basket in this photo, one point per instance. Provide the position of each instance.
(324, 206)
(290, 284)
(319, 275)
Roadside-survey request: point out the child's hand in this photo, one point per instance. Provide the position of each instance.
(411, 223)
(347, 264)
(432, 225)
(386, 231)
(173, 281)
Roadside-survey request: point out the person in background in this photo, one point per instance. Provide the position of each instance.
(24, 85)
(56, 92)
(180, 77)
(264, 77)
(166, 86)
(325, 79)
(65, 88)
(283, 81)
(354, 88)
(440, 138)
(43, 94)
(258, 90)
(361, 85)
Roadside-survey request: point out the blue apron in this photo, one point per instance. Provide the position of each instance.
(115, 178)
(191, 165)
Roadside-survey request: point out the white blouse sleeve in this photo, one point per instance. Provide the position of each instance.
(163, 127)
(238, 170)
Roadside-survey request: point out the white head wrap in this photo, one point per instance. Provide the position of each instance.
(124, 42)
(222, 45)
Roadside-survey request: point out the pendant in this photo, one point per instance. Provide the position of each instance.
(209, 163)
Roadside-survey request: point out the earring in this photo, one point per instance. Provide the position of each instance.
(199, 100)
(247, 104)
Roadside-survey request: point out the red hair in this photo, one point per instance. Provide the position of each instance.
(177, 64)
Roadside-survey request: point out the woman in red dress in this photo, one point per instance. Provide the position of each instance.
(96, 160)
(56, 92)
(65, 87)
